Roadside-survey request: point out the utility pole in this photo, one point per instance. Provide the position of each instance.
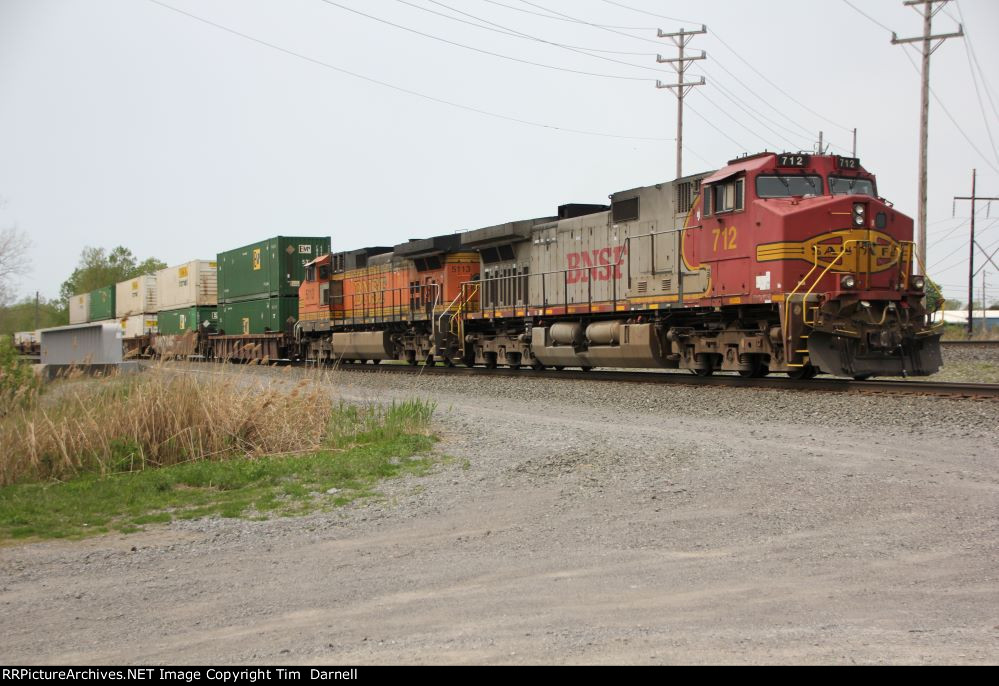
(680, 39)
(930, 8)
(854, 143)
(36, 310)
(971, 246)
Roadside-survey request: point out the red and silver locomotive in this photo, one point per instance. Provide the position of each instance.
(775, 263)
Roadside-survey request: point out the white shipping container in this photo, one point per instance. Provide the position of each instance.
(138, 325)
(94, 343)
(78, 306)
(187, 285)
(135, 296)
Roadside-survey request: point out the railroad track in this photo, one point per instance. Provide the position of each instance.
(975, 391)
(972, 344)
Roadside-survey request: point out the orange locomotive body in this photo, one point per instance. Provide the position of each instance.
(382, 303)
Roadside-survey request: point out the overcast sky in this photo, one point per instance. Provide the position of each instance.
(125, 122)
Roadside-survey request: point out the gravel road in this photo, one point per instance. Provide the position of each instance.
(572, 522)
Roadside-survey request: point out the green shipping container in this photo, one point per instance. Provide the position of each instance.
(267, 269)
(184, 319)
(258, 316)
(101, 304)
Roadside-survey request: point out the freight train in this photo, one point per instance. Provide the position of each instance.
(774, 263)
(777, 262)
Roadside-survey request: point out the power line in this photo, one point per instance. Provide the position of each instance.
(709, 123)
(515, 33)
(978, 94)
(865, 14)
(518, 34)
(652, 14)
(752, 112)
(499, 28)
(480, 50)
(734, 52)
(779, 89)
(725, 111)
(981, 72)
(756, 94)
(611, 29)
(400, 89)
(569, 19)
(952, 119)
(961, 247)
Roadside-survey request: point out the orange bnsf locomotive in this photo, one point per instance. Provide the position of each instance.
(775, 263)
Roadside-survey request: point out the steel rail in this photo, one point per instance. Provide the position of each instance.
(834, 385)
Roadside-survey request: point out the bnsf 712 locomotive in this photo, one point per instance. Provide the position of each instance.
(775, 263)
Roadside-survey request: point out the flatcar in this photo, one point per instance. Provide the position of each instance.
(777, 262)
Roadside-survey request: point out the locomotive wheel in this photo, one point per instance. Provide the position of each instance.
(448, 362)
(803, 373)
(586, 369)
(490, 360)
(559, 367)
(538, 367)
(758, 371)
(862, 377)
(703, 372)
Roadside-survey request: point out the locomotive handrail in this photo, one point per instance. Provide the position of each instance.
(376, 307)
(565, 272)
(839, 256)
(788, 301)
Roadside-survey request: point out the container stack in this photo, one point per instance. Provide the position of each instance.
(258, 284)
(79, 308)
(188, 298)
(135, 306)
(101, 305)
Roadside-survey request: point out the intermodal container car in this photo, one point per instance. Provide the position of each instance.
(267, 269)
(266, 315)
(101, 305)
(184, 319)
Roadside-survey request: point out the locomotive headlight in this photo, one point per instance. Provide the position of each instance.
(848, 282)
(918, 283)
(858, 213)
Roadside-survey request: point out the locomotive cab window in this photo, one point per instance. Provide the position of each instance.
(851, 185)
(788, 185)
(324, 272)
(310, 273)
(724, 197)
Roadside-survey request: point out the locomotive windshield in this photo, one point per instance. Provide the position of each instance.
(786, 186)
(852, 185)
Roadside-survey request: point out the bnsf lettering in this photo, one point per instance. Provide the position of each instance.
(595, 264)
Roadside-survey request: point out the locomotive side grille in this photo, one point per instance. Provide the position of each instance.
(643, 287)
(625, 210)
(686, 192)
(667, 284)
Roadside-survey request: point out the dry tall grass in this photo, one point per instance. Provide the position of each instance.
(160, 417)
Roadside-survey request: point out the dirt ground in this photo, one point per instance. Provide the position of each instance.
(573, 523)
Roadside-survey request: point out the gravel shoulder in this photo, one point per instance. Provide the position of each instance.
(573, 522)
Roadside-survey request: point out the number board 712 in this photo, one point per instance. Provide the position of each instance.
(795, 160)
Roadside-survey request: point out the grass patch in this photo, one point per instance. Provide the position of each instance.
(369, 443)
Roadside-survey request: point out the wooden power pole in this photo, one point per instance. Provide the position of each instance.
(680, 38)
(929, 10)
(971, 247)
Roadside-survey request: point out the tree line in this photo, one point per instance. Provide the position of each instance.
(97, 268)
